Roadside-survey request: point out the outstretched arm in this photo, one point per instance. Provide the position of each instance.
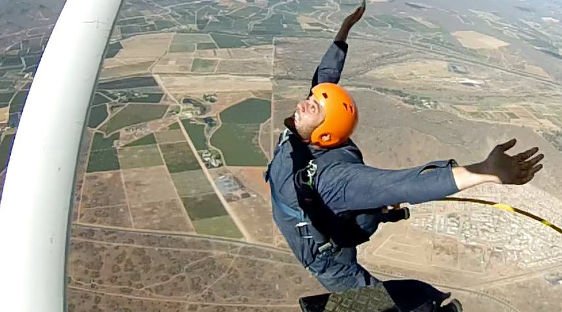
(500, 168)
(346, 186)
(332, 63)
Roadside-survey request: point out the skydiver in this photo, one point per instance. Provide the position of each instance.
(326, 207)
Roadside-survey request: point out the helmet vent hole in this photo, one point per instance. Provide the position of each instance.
(325, 95)
(345, 105)
(351, 108)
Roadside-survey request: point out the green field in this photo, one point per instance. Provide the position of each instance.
(187, 42)
(131, 21)
(101, 143)
(206, 46)
(97, 115)
(250, 111)
(103, 156)
(10, 61)
(18, 101)
(130, 29)
(5, 149)
(174, 126)
(103, 160)
(204, 65)
(271, 26)
(31, 60)
(147, 98)
(145, 140)
(228, 41)
(135, 114)
(218, 226)
(204, 206)
(182, 47)
(238, 135)
(5, 98)
(179, 157)
(99, 98)
(6, 84)
(239, 144)
(163, 24)
(245, 12)
(196, 134)
(109, 94)
(191, 183)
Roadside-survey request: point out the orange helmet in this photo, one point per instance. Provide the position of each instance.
(341, 115)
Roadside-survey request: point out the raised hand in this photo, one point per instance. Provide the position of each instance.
(353, 18)
(348, 23)
(518, 169)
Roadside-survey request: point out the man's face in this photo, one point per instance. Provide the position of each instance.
(308, 115)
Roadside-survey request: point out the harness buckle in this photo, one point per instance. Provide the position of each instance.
(302, 230)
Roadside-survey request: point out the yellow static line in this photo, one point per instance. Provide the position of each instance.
(505, 207)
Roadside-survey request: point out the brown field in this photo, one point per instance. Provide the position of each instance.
(471, 258)
(266, 139)
(139, 157)
(257, 67)
(254, 212)
(252, 178)
(445, 253)
(211, 53)
(422, 75)
(539, 295)
(216, 83)
(227, 99)
(4, 114)
(103, 189)
(433, 70)
(255, 52)
(169, 136)
(255, 215)
(126, 137)
(182, 269)
(174, 63)
(537, 70)
(146, 185)
(108, 216)
(86, 300)
(476, 40)
(266, 95)
(168, 215)
(150, 45)
(424, 22)
(129, 69)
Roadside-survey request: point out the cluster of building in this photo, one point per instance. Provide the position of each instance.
(522, 241)
(211, 160)
(231, 188)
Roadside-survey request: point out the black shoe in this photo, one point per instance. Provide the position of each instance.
(395, 215)
(453, 306)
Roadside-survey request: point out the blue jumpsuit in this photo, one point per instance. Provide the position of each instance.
(345, 185)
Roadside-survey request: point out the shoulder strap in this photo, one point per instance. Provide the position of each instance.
(340, 230)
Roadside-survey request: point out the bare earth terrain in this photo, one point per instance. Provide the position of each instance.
(161, 224)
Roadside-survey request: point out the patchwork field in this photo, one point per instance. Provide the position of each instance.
(476, 40)
(134, 114)
(103, 155)
(221, 83)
